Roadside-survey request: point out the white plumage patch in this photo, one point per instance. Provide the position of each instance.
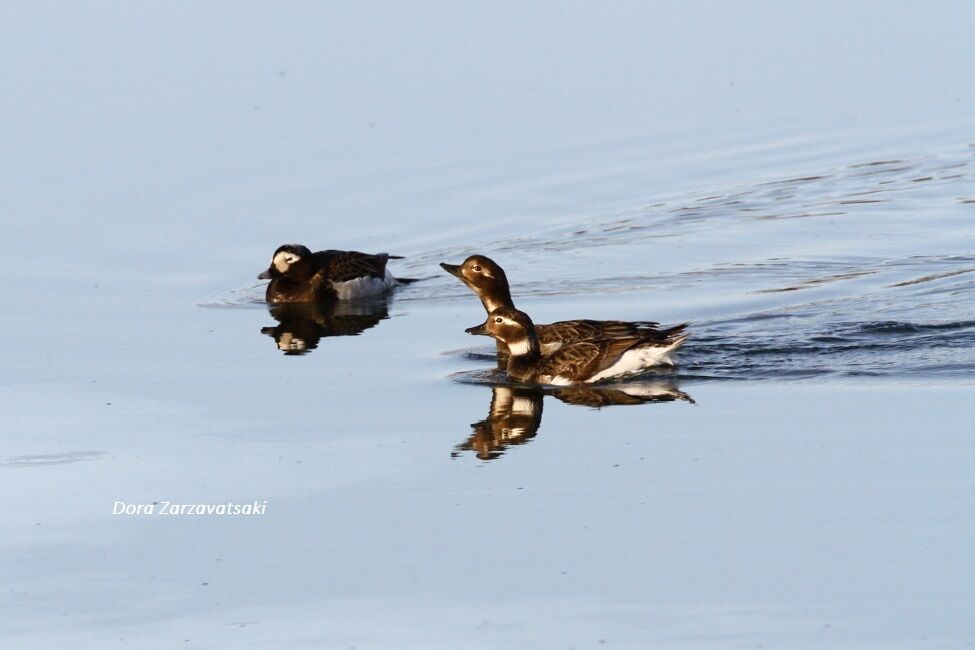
(519, 347)
(636, 360)
(364, 287)
(283, 261)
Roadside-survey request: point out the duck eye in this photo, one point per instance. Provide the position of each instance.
(498, 320)
(477, 268)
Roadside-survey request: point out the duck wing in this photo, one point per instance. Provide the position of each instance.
(342, 266)
(585, 329)
(579, 361)
(575, 361)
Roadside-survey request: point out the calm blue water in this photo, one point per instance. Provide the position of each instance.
(796, 181)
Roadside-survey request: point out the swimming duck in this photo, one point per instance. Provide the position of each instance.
(575, 362)
(488, 280)
(298, 275)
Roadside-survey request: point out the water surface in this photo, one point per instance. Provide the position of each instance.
(796, 181)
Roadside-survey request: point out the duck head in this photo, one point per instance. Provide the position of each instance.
(485, 278)
(289, 260)
(513, 328)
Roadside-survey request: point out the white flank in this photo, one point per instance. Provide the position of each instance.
(364, 287)
(638, 359)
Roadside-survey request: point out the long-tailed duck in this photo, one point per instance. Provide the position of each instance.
(576, 362)
(488, 280)
(298, 275)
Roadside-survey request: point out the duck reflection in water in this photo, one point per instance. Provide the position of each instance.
(513, 419)
(301, 325)
(515, 413)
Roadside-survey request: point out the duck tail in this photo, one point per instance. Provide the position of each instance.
(678, 341)
(670, 347)
(676, 331)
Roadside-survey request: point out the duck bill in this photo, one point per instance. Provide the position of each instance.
(478, 329)
(266, 275)
(453, 269)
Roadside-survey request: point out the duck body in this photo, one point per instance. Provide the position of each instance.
(298, 275)
(553, 336)
(488, 280)
(576, 362)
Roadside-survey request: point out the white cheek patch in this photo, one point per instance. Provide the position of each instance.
(283, 261)
(519, 347)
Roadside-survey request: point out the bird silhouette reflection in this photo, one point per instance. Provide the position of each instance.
(513, 418)
(302, 325)
(515, 413)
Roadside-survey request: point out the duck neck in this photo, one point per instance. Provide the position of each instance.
(523, 355)
(301, 271)
(497, 300)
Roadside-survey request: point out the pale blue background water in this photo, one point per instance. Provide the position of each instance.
(632, 161)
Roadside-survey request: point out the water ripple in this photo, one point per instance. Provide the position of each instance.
(861, 268)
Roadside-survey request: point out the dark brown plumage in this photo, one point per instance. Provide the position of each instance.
(298, 275)
(575, 362)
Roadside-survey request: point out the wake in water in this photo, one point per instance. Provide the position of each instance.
(864, 269)
(861, 270)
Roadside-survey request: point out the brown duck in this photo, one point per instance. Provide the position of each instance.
(575, 362)
(488, 280)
